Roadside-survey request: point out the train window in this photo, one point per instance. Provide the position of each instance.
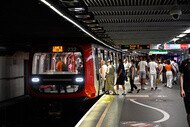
(57, 63)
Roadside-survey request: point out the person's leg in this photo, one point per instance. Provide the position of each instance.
(134, 86)
(117, 88)
(167, 77)
(151, 80)
(106, 86)
(131, 83)
(171, 79)
(143, 82)
(188, 119)
(123, 86)
(155, 80)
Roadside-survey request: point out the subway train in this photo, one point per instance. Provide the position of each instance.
(68, 70)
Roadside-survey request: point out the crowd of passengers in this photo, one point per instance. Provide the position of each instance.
(155, 71)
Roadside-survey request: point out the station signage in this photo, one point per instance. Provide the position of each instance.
(156, 46)
(184, 46)
(132, 47)
(172, 46)
(158, 52)
(57, 49)
(169, 46)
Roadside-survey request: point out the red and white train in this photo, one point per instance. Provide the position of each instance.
(46, 82)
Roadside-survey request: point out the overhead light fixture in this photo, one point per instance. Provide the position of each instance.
(76, 24)
(182, 35)
(82, 16)
(77, 9)
(175, 39)
(89, 21)
(97, 28)
(92, 25)
(187, 31)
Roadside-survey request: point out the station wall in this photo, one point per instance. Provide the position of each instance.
(12, 75)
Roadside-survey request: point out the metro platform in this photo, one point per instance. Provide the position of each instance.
(158, 108)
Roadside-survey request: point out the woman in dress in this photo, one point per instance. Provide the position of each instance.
(121, 77)
(110, 78)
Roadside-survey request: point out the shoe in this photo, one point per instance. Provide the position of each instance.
(151, 89)
(123, 94)
(142, 88)
(130, 92)
(115, 94)
(138, 90)
(156, 88)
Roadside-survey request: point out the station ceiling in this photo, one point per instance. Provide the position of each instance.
(141, 21)
(115, 22)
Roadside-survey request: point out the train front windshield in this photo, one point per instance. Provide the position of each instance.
(57, 63)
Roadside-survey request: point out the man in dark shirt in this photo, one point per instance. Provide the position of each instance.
(185, 86)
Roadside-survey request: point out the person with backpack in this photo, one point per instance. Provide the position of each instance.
(175, 71)
(132, 75)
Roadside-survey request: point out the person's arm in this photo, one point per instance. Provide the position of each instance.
(132, 73)
(138, 67)
(161, 69)
(181, 85)
(119, 73)
(57, 66)
(146, 67)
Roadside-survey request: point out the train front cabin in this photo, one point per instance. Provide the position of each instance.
(46, 82)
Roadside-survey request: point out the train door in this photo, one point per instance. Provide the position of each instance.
(97, 68)
(102, 55)
(105, 56)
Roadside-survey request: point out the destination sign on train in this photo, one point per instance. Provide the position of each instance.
(135, 47)
(57, 48)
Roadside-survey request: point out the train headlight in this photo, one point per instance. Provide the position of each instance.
(35, 80)
(79, 80)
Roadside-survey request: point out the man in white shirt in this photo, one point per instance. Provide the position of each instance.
(176, 70)
(153, 67)
(142, 68)
(102, 72)
(126, 67)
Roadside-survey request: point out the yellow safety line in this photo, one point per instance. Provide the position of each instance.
(104, 115)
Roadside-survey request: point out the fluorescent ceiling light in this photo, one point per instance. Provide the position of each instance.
(187, 31)
(76, 24)
(82, 16)
(175, 39)
(76, 9)
(182, 35)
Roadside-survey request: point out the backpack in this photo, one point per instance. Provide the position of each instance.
(135, 72)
